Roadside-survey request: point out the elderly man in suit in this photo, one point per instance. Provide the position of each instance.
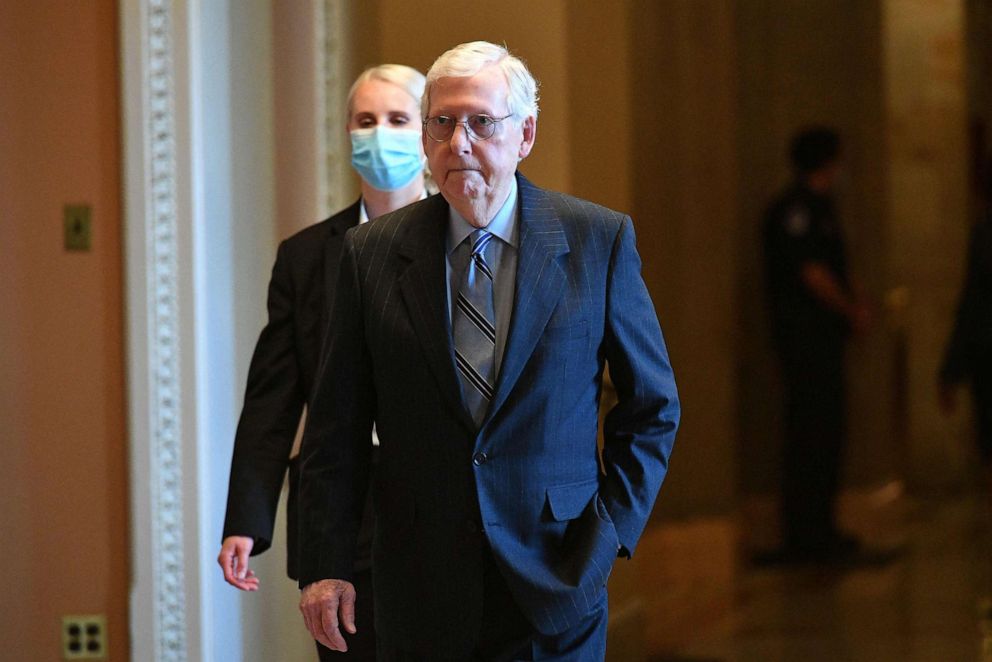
(473, 328)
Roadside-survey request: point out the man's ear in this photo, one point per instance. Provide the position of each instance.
(529, 127)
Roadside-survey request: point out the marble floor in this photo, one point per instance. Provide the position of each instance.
(925, 605)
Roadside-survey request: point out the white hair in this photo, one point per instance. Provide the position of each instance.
(406, 78)
(468, 59)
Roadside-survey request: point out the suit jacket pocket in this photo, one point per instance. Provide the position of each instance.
(587, 546)
(567, 502)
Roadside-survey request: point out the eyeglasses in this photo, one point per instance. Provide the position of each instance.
(481, 127)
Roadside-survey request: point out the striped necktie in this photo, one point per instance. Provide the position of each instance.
(474, 330)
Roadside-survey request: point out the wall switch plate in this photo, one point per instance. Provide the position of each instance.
(76, 221)
(84, 637)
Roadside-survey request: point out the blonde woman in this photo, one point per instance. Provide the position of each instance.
(385, 129)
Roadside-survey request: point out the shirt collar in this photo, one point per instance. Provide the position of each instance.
(503, 225)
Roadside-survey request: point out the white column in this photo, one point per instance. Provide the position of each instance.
(164, 616)
(198, 136)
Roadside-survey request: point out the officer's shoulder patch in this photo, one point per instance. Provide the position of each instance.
(797, 222)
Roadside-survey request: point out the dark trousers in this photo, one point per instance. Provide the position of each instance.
(361, 645)
(507, 636)
(814, 444)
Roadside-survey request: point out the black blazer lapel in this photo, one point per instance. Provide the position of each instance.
(339, 224)
(424, 285)
(315, 256)
(539, 286)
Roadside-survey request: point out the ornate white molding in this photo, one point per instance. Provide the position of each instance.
(163, 289)
(159, 590)
(177, 138)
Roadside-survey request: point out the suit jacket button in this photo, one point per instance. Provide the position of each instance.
(479, 459)
(472, 526)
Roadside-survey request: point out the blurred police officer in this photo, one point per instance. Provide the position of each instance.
(815, 307)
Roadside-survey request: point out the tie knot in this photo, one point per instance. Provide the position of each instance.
(480, 239)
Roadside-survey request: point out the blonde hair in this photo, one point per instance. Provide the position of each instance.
(406, 78)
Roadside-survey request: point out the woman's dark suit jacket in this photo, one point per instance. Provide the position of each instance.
(280, 379)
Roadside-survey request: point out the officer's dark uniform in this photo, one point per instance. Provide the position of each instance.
(969, 352)
(801, 228)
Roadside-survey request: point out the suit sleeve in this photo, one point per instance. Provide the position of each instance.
(274, 401)
(336, 453)
(640, 430)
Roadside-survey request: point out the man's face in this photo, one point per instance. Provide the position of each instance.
(471, 171)
(826, 179)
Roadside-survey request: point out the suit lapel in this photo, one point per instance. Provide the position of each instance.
(339, 224)
(424, 286)
(539, 284)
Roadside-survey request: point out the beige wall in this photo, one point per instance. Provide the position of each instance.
(817, 63)
(415, 33)
(62, 460)
(681, 130)
(600, 89)
(294, 108)
(927, 209)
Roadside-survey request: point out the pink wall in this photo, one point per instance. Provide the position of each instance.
(62, 434)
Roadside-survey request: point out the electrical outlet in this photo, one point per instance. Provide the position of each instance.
(84, 637)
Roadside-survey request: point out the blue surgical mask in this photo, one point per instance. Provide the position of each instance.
(386, 158)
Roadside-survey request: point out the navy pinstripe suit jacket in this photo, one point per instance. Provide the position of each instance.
(529, 479)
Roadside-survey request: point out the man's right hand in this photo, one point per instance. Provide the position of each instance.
(327, 605)
(233, 559)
